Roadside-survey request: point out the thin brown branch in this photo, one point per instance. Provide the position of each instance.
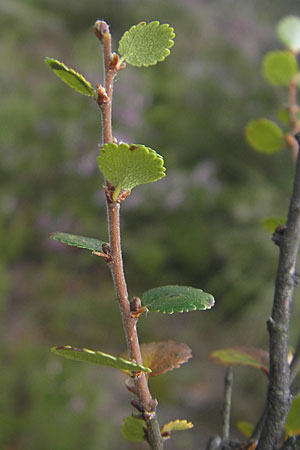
(101, 30)
(278, 399)
(145, 402)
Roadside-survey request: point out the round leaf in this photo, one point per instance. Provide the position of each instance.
(288, 32)
(264, 135)
(163, 356)
(169, 299)
(242, 356)
(146, 44)
(126, 166)
(78, 241)
(72, 78)
(279, 67)
(132, 429)
(97, 357)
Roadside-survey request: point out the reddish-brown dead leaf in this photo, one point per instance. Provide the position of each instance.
(163, 356)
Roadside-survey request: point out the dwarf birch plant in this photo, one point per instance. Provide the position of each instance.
(125, 166)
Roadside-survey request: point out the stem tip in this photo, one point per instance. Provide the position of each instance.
(101, 29)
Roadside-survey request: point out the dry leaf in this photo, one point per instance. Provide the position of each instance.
(163, 356)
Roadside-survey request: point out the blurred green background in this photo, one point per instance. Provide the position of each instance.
(199, 226)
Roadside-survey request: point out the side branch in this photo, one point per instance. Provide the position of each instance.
(278, 399)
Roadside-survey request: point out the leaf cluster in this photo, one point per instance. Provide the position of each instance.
(279, 68)
(126, 166)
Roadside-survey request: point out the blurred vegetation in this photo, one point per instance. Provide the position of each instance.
(199, 226)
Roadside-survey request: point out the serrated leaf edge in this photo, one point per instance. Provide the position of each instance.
(171, 367)
(168, 426)
(193, 307)
(126, 423)
(139, 25)
(122, 145)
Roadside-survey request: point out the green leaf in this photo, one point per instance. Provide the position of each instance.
(97, 357)
(292, 426)
(169, 299)
(279, 67)
(246, 428)
(288, 32)
(242, 356)
(264, 135)
(132, 429)
(78, 241)
(271, 223)
(283, 116)
(146, 44)
(74, 79)
(176, 425)
(126, 166)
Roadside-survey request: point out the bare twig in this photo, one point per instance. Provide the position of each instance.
(101, 30)
(228, 382)
(145, 402)
(278, 399)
